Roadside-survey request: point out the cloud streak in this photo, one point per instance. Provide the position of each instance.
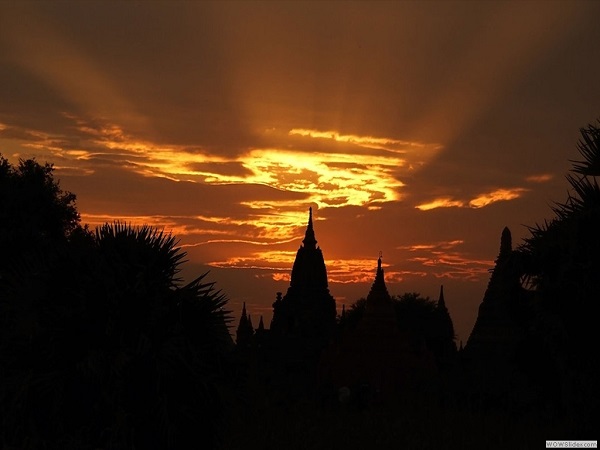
(480, 201)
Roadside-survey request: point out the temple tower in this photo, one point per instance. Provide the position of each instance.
(496, 329)
(307, 311)
(374, 360)
(245, 330)
(442, 341)
(380, 317)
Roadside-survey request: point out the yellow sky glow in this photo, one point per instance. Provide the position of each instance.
(355, 177)
(330, 179)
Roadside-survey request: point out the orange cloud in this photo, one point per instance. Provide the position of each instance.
(496, 196)
(444, 202)
(276, 261)
(437, 245)
(444, 259)
(327, 179)
(339, 271)
(382, 143)
(480, 201)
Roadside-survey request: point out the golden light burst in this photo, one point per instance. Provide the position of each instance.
(362, 172)
(329, 179)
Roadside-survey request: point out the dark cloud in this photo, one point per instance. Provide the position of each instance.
(117, 191)
(20, 134)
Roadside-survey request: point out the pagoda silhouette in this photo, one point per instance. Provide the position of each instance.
(306, 314)
(285, 357)
(496, 331)
(307, 350)
(376, 362)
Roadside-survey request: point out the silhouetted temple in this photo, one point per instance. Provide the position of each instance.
(245, 330)
(307, 311)
(376, 359)
(442, 343)
(305, 347)
(285, 357)
(493, 357)
(497, 330)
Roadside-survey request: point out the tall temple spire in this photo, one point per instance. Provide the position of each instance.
(261, 325)
(308, 271)
(497, 309)
(379, 292)
(309, 238)
(307, 309)
(245, 331)
(505, 244)
(441, 304)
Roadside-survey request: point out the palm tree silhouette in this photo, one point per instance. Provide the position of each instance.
(110, 349)
(561, 260)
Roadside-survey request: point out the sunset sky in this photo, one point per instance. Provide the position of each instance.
(419, 129)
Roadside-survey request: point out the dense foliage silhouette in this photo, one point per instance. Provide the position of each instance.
(415, 315)
(35, 212)
(561, 263)
(102, 344)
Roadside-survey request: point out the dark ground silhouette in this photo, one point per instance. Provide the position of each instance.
(103, 346)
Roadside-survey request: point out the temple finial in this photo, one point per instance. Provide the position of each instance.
(441, 302)
(309, 238)
(379, 292)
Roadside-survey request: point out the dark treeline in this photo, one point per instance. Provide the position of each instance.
(104, 346)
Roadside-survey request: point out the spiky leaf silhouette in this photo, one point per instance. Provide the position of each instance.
(589, 148)
(105, 348)
(142, 251)
(561, 259)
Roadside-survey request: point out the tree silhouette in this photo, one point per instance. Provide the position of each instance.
(561, 255)
(416, 316)
(561, 262)
(34, 210)
(104, 347)
(589, 147)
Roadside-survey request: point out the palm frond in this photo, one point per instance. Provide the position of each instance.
(144, 249)
(589, 148)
